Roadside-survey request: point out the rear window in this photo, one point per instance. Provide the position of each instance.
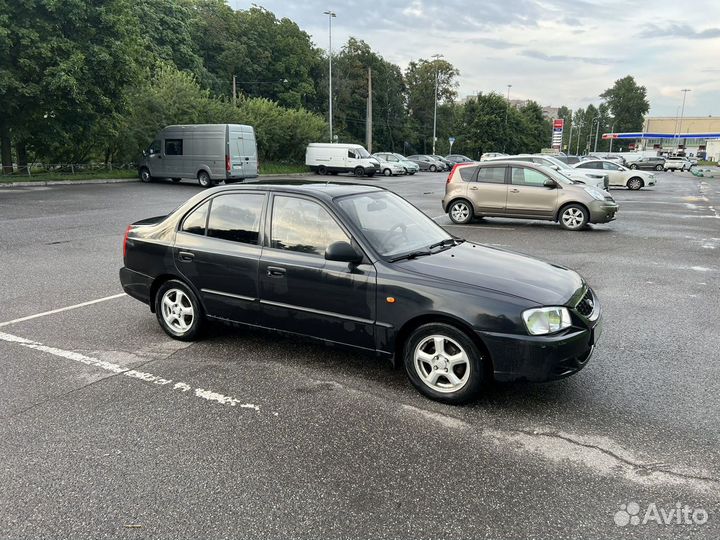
(195, 221)
(468, 173)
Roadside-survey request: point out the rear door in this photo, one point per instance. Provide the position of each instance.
(487, 189)
(242, 152)
(302, 292)
(528, 196)
(218, 248)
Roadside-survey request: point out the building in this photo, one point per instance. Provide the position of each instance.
(675, 127)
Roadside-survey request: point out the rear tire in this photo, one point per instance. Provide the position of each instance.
(176, 180)
(658, 167)
(633, 167)
(204, 179)
(387, 172)
(145, 175)
(460, 211)
(178, 311)
(574, 217)
(635, 183)
(433, 168)
(359, 171)
(444, 364)
(322, 170)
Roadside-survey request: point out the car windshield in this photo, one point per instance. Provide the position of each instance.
(361, 153)
(557, 175)
(557, 162)
(391, 224)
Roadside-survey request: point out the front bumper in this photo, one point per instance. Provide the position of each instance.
(602, 211)
(541, 358)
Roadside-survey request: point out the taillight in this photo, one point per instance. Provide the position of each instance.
(227, 163)
(125, 239)
(449, 179)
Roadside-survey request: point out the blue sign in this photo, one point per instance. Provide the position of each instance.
(451, 140)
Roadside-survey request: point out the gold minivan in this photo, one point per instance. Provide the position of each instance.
(517, 189)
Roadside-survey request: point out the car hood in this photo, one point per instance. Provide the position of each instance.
(499, 270)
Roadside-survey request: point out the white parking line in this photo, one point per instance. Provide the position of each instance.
(150, 378)
(60, 310)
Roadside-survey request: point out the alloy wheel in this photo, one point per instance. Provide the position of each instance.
(441, 363)
(460, 212)
(573, 218)
(177, 310)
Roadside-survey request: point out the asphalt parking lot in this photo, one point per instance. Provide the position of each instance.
(111, 429)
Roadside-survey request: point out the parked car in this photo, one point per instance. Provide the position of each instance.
(569, 160)
(619, 175)
(410, 167)
(360, 266)
(521, 189)
(677, 163)
(491, 155)
(334, 158)
(599, 180)
(210, 153)
(427, 163)
(389, 168)
(448, 164)
(458, 158)
(648, 163)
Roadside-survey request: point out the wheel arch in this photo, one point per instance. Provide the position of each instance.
(164, 278)
(460, 198)
(642, 181)
(571, 203)
(416, 322)
(203, 168)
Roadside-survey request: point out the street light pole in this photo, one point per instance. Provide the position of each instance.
(330, 15)
(682, 113)
(509, 86)
(569, 146)
(597, 133)
(612, 132)
(436, 57)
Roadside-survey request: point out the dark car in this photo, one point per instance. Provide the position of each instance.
(360, 266)
(458, 158)
(649, 163)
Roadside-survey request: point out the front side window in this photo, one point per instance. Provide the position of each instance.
(236, 217)
(610, 166)
(304, 226)
(592, 165)
(154, 148)
(351, 154)
(173, 147)
(527, 177)
(492, 175)
(195, 221)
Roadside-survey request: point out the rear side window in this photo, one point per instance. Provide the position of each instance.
(492, 175)
(468, 173)
(304, 226)
(196, 220)
(527, 177)
(236, 217)
(593, 165)
(173, 147)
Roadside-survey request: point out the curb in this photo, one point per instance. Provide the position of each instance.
(124, 180)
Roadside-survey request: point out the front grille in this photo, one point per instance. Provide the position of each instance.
(586, 305)
(609, 198)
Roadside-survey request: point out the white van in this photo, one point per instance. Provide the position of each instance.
(209, 153)
(333, 158)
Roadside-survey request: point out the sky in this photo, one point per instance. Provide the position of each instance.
(557, 52)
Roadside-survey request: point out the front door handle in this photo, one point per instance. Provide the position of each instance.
(474, 188)
(275, 271)
(514, 191)
(186, 256)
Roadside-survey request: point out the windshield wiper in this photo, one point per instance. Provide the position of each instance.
(448, 241)
(411, 255)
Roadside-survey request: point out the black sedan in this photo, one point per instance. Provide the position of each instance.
(360, 266)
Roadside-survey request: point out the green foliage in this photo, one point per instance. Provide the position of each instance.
(628, 104)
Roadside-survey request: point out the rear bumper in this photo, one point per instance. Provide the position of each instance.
(540, 358)
(136, 284)
(602, 211)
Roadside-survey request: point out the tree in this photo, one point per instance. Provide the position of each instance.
(420, 81)
(536, 129)
(628, 104)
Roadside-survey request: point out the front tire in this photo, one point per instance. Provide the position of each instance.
(359, 171)
(178, 311)
(635, 183)
(387, 172)
(633, 167)
(322, 170)
(204, 179)
(443, 363)
(460, 212)
(433, 168)
(145, 175)
(574, 217)
(658, 167)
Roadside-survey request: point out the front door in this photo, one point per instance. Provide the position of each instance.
(300, 291)
(528, 196)
(218, 250)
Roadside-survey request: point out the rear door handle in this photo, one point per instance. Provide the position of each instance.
(186, 256)
(514, 191)
(275, 271)
(474, 188)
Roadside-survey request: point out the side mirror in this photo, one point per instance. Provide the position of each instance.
(556, 167)
(550, 184)
(144, 153)
(343, 252)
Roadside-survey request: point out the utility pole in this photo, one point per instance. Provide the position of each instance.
(330, 15)
(597, 133)
(569, 147)
(509, 86)
(577, 146)
(682, 114)
(612, 131)
(234, 90)
(436, 57)
(368, 117)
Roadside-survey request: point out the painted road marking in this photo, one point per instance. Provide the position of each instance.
(115, 369)
(68, 308)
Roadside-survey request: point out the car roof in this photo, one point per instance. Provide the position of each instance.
(325, 190)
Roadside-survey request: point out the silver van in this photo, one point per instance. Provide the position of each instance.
(209, 153)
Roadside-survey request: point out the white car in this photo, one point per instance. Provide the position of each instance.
(389, 168)
(598, 179)
(490, 155)
(677, 163)
(619, 175)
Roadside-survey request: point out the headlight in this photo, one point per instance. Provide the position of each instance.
(595, 194)
(546, 320)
